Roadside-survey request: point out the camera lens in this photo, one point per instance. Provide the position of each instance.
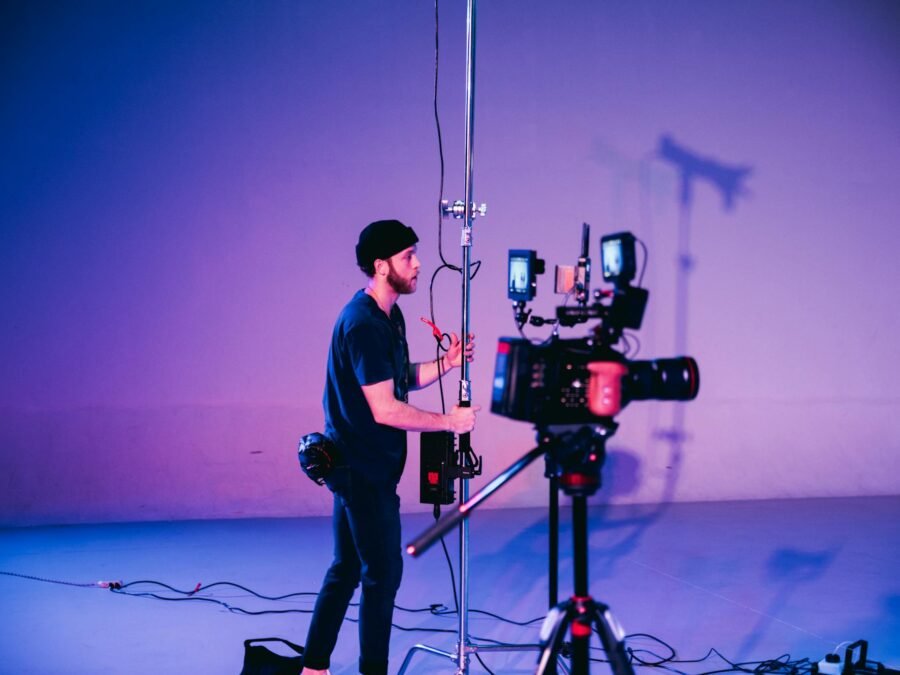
(675, 379)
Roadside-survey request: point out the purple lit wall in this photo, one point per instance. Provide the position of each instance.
(182, 184)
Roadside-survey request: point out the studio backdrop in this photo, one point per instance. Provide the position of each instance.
(182, 186)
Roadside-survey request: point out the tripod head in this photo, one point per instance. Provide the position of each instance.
(575, 455)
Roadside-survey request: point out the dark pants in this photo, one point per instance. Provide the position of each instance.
(366, 548)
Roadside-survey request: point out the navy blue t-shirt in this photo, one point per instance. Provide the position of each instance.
(366, 347)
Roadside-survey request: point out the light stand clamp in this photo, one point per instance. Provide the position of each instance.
(458, 209)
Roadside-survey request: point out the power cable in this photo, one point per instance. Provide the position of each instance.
(639, 655)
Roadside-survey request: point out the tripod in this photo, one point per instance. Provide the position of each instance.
(575, 458)
(575, 454)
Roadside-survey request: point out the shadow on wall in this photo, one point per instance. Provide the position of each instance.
(623, 467)
(728, 180)
(621, 473)
(730, 183)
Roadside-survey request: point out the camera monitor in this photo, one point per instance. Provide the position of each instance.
(618, 258)
(523, 271)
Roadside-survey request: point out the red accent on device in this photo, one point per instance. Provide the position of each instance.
(434, 329)
(503, 348)
(433, 477)
(580, 630)
(578, 480)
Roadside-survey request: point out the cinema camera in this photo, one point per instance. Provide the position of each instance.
(580, 381)
(571, 391)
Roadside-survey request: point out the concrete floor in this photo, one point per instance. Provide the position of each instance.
(754, 580)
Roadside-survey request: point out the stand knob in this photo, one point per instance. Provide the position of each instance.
(458, 209)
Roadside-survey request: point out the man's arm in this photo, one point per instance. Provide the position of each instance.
(423, 374)
(386, 409)
(428, 372)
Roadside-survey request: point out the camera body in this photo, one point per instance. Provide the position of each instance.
(557, 382)
(580, 381)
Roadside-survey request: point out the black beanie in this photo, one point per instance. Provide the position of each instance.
(382, 239)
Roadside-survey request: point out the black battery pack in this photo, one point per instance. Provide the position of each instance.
(437, 467)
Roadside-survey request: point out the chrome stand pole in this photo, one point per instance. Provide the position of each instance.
(467, 210)
(465, 384)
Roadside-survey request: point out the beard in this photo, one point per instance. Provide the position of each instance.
(399, 284)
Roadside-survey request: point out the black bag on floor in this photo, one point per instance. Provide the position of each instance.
(260, 660)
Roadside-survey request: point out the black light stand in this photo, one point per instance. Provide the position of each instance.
(576, 454)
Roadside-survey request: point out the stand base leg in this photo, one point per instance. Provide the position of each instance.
(473, 649)
(427, 650)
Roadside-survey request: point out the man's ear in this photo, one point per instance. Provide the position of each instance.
(381, 267)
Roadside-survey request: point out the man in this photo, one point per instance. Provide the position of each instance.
(367, 417)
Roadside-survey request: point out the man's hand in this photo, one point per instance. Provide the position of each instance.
(455, 352)
(462, 420)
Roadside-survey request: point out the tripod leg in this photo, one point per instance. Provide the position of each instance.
(581, 638)
(613, 639)
(553, 561)
(553, 633)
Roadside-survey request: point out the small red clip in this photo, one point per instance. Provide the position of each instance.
(438, 335)
(197, 588)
